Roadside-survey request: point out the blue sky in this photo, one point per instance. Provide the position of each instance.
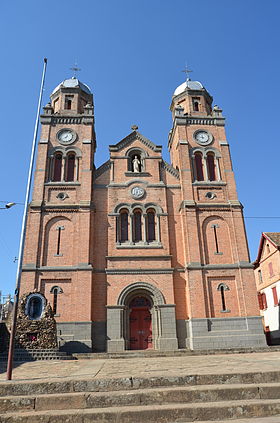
(131, 54)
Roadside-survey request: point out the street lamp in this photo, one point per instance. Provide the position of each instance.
(8, 206)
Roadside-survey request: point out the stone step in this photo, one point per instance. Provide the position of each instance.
(31, 355)
(164, 413)
(156, 396)
(175, 353)
(133, 383)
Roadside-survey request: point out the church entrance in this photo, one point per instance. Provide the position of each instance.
(140, 324)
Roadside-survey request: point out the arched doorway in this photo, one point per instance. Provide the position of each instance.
(140, 324)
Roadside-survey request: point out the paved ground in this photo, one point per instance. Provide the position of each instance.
(145, 367)
(275, 419)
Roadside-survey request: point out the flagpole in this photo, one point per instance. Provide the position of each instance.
(23, 230)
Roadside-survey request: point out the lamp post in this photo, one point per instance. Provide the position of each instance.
(23, 229)
(8, 206)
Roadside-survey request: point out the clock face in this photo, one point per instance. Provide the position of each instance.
(66, 136)
(203, 137)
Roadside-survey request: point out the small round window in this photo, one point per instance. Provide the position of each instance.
(35, 306)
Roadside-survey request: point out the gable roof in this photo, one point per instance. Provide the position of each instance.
(130, 138)
(273, 238)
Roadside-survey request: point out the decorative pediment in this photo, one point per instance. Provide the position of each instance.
(125, 142)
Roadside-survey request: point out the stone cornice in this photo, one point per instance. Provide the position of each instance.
(226, 266)
(194, 120)
(211, 206)
(29, 268)
(132, 258)
(66, 120)
(138, 271)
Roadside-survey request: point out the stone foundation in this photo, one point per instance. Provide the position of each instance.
(217, 333)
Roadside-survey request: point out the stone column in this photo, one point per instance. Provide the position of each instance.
(145, 227)
(76, 169)
(130, 235)
(167, 340)
(218, 172)
(63, 168)
(157, 228)
(115, 342)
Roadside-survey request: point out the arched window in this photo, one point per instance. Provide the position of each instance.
(210, 160)
(57, 167)
(123, 226)
(70, 167)
(137, 226)
(198, 166)
(55, 291)
(222, 288)
(151, 233)
(68, 102)
(196, 105)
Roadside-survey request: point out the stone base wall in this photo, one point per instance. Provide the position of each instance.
(75, 336)
(218, 333)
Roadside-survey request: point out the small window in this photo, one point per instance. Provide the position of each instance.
(137, 226)
(57, 167)
(270, 268)
(260, 276)
(55, 291)
(267, 248)
(195, 102)
(264, 302)
(260, 301)
(275, 296)
(222, 288)
(151, 233)
(70, 168)
(123, 226)
(211, 167)
(68, 102)
(199, 167)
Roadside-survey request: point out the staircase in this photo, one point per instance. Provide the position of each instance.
(170, 399)
(32, 355)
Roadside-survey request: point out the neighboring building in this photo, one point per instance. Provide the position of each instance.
(6, 306)
(267, 274)
(139, 253)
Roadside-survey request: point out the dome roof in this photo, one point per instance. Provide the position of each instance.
(191, 85)
(72, 83)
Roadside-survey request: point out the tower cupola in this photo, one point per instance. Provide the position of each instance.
(71, 96)
(193, 98)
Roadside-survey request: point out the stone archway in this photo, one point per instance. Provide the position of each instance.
(154, 296)
(163, 323)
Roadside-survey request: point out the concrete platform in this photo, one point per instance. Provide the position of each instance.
(229, 388)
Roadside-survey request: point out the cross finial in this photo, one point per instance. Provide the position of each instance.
(75, 69)
(187, 72)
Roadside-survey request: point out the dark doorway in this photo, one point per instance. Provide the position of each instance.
(140, 324)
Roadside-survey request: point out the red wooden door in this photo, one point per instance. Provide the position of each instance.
(140, 327)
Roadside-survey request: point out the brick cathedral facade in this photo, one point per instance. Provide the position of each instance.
(140, 253)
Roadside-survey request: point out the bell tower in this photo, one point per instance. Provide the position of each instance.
(58, 257)
(220, 287)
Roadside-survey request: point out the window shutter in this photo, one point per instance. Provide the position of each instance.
(275, 296)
